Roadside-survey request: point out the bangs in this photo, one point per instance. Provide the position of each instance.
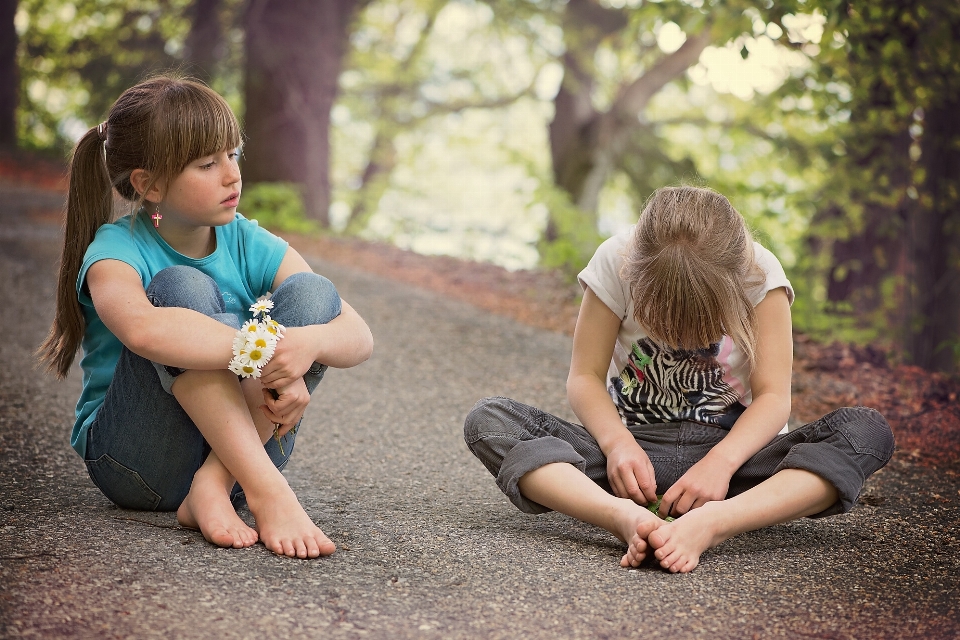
(682, 307)
(194, 122)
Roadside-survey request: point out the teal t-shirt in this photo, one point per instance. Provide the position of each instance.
(243, 265)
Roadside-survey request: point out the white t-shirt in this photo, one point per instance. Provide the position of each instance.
(650, 384)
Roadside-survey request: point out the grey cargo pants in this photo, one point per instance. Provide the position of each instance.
(511, 439)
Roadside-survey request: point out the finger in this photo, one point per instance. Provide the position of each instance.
(616, 485)
(271, 416)
(666, 504)
(685, 503)
(639, 494)
(279, 382)
(648, 485)
(630, 485)
(650, 488)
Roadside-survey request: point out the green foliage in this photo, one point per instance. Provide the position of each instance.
(888, 210)
(76, 58)
(577, 236)
(399, 79)
(277, 205)
(838, 151)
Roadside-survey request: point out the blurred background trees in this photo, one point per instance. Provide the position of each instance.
(524, 131)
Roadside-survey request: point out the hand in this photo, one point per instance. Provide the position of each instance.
(292, 358)
(288, 407)
(630, 473)
(703, 482)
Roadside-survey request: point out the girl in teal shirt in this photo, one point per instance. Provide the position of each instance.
(156, 301)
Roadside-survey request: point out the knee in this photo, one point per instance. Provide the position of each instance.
(306, 298)
(186, 287)
(867, 430)
(484, 420)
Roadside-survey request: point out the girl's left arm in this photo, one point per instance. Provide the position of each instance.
(709, 479)
(343, 342)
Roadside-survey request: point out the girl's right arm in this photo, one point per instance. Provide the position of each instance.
(628, 468)
(169, 335)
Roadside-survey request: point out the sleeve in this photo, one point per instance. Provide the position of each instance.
(112, 242)
(775, 276)
(261, 254)
(602, 274)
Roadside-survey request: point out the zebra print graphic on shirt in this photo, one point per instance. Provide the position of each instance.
(664, 385)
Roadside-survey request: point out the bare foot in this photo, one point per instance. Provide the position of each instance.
(285, 528)
(678, 544)
(207, 507)
(634, 525)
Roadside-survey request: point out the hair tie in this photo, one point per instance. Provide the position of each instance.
(102, 130)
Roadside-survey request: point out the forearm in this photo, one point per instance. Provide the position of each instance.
(344, 342)
(182, 338)
(593, 406)
(755, 428)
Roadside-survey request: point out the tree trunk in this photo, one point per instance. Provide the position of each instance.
(863, 261)
(573, 128)
(585, 144)
(295, 51)
(204, 46)
(934, 339)
(9, 75)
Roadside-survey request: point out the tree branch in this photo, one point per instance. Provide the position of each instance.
(634, 97)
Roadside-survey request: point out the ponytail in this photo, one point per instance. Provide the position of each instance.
(89, 205)
(159, 125)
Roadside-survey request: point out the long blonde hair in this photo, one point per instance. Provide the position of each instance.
(688, 266)
(160, 125)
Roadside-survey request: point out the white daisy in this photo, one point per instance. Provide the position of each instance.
(244, 370)
(250, 326)
(256, 356)
(263, 341)
(273, 326)
(239, 343)
(262, 305)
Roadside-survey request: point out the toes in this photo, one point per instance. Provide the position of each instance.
(646, 528)
(657, 538)
(325, 545)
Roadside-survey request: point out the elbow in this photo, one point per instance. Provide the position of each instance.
(574, 384)
(776, 405)
(365, 348)
(139, 342)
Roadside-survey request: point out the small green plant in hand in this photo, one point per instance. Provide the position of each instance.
(654, 507)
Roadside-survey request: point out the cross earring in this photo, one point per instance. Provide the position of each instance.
(156, 218)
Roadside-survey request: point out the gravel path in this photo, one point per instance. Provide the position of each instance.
(428, 546)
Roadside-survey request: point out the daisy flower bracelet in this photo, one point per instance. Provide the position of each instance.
(256, 341)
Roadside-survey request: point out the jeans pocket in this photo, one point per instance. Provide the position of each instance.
(124, 487)
(865, 429)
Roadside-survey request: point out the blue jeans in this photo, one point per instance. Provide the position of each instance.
(143, 449)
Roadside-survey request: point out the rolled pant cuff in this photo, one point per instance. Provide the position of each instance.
(832, 465)
(530, 455)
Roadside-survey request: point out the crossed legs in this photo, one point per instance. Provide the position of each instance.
(231, 423)
(543, 463)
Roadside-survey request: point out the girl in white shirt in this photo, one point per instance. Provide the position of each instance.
(680, 375)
